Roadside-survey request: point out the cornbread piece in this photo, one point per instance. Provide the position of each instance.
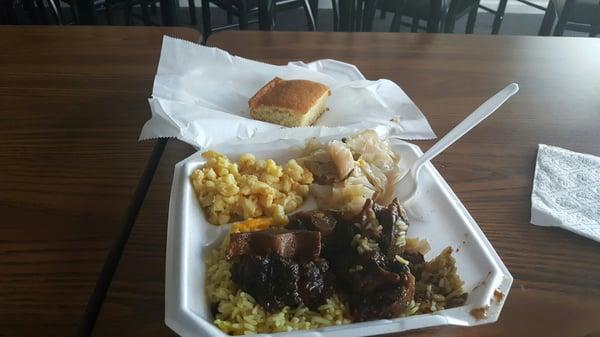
(289, 103)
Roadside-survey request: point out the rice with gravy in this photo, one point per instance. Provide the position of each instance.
(438, 287)
(239, 314)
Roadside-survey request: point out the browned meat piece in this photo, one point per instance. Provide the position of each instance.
(457, 301)
(414, 259)
(386, 302)
(362, 253)
(296, 244)
(339, 241)
(282, 267)
(323, 222)
(393, 220)
(399, 268)
(276, 282)
(271, 280)
(315, 283)
(368, 222)
(320, 221)
(301, 220)
(284, 278)
(386, 225)
(366, 273)
(214, 308)
(252, 275)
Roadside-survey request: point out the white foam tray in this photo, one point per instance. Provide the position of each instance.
(435, 213)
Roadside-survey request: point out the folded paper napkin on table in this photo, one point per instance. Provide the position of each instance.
(566, 191)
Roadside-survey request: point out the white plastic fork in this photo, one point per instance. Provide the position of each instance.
(407, 185)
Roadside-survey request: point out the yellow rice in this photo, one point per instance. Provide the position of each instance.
(239, 314)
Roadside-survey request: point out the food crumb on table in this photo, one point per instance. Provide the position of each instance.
(498, 296)
(480, 313)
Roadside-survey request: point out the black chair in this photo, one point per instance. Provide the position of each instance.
(576, 15)
(147, 8)
(107, 10)
(109, 7)
(7, 13)
(358, 15)
(33, 12)
(439, 15)
(93, 12)
(247, 12)
(501, 10)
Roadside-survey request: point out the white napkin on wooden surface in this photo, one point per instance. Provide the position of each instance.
(566, 191)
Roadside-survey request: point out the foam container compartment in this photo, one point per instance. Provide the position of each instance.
(435, 213)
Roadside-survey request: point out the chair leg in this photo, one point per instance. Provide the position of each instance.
(73, 10)
(414, 26)
(345, 9)
(369, 15)
(353, 7)
(449, 25)
(272, 13)
(563, 18)
(127, 13)
(499, 17)
(85, 14)
(7, 13)
(192, 9)
(434, 21)
(312, 26)
(336, 18)
(358, 16)
(397, 19)
(243, 8)
(145, 13)
(595, 28)
(153, 8)
(206, 24)
(472, 18)
(41, 9)
(29, 8)
(396, 23)
(450, 19)
(314, 6)
(108, 12)
(548, 21)
(56, 11)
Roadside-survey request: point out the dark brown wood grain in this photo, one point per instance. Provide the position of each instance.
(72, 103)
(556, 291)
(135, 302)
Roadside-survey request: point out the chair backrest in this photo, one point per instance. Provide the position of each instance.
(357, 15)
(36, 12)
(573, 17)
(595, 29)
(7, 13)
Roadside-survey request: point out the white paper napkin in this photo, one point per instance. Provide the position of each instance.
(566, 191)
(200, 96)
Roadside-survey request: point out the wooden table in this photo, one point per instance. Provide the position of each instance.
(72, 103)
(557, 275)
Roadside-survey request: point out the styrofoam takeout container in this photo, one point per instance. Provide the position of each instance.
(435, 213)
